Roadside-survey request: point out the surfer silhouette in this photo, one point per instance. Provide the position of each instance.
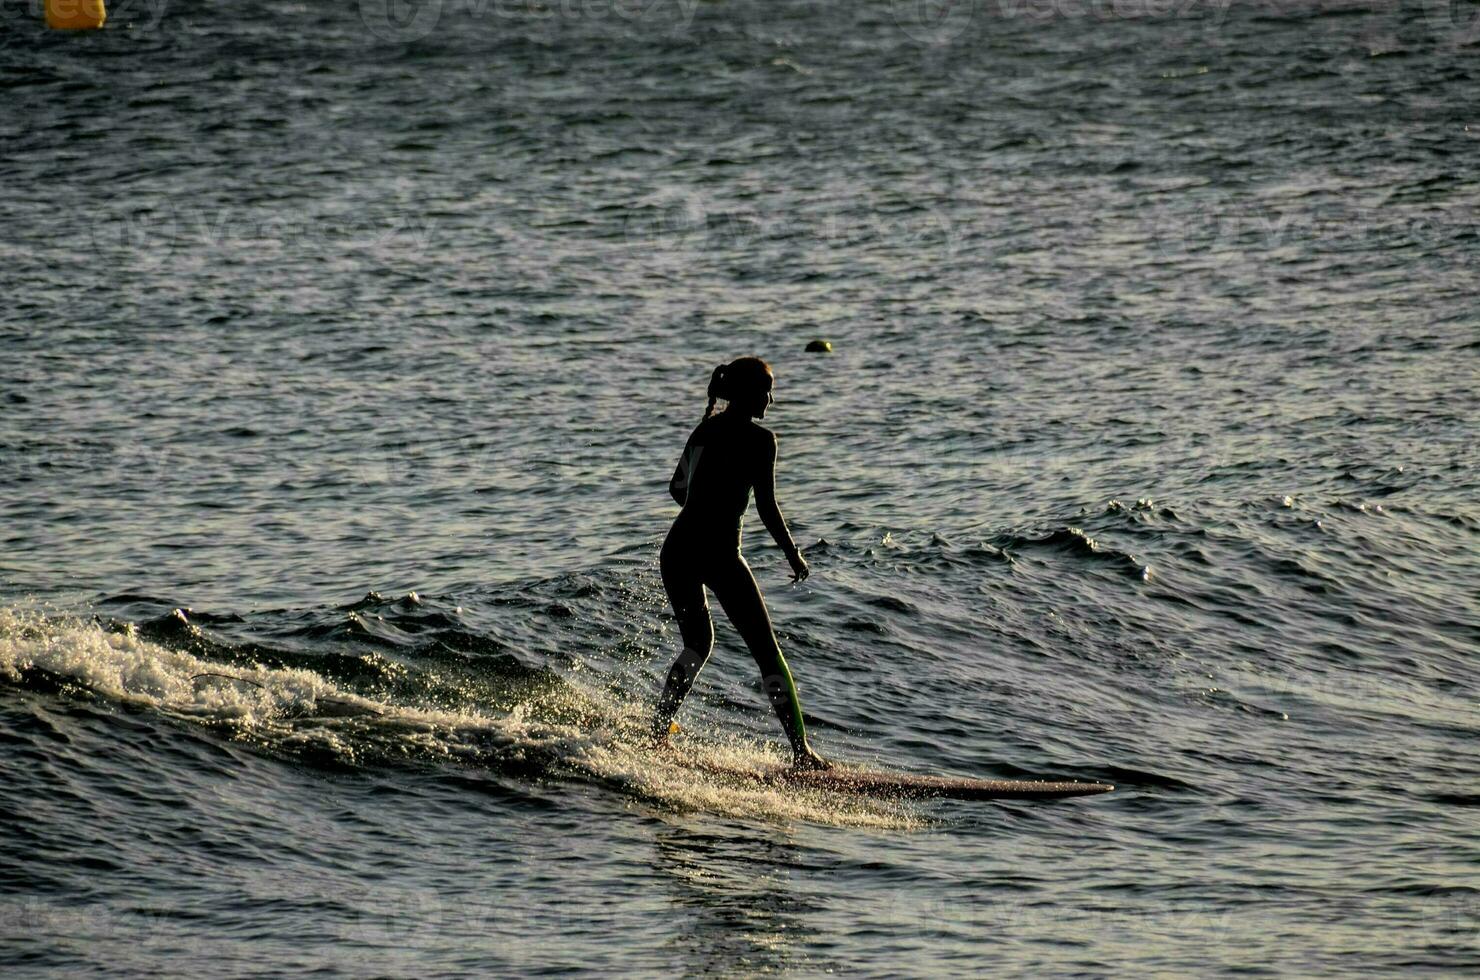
(727, 455)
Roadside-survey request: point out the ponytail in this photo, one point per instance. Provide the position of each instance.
(716, 389)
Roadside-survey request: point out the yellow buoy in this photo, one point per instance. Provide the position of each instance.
(75, 15)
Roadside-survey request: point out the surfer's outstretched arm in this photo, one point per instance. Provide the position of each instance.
(770, 510)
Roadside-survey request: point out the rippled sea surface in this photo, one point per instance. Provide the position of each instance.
(345, 353)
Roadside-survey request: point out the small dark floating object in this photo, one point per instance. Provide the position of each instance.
(819, 347)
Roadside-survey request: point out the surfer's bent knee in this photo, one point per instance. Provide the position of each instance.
(691, 661)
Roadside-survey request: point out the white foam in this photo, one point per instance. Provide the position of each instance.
(695, 779)
(125, 667)
(297, 710)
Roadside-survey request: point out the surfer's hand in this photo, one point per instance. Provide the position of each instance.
(799, 569)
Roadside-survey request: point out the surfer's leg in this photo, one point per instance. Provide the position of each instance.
(741, 599)
(686, 593)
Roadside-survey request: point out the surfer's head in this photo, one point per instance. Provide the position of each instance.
(745, 383)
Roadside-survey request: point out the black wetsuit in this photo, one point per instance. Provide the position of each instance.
(726, 456)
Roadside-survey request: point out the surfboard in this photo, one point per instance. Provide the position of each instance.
(911, 786)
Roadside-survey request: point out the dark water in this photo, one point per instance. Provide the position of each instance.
(346, 356)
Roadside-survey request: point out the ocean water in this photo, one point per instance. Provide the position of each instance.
(345, 353)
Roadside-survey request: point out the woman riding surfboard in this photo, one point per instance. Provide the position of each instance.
(727, 455)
